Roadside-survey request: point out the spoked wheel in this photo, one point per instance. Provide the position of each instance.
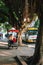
(9, 44)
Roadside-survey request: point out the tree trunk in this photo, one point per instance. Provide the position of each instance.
(41, 47)
(38, 54)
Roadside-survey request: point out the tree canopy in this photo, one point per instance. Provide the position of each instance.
(11, 11)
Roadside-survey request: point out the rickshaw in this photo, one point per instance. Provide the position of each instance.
(12, 40)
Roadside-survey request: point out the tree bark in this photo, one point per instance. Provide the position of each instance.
(38, 54)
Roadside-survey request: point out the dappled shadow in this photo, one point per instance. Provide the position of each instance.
(3, 48)
(6, 47)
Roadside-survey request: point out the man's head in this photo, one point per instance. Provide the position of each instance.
(10, 35)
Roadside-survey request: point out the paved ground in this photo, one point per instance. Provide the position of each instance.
(9, 54)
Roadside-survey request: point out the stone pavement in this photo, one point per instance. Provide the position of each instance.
(7, 55)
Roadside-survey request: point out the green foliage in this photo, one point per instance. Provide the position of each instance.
(4, 9)
(4, 18)
(5, 26)
(37, 23)
(8, 26)
(15, 15)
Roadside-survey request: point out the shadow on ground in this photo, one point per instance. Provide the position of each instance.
(3, 48)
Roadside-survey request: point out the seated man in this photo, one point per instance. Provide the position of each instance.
(10, 39)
